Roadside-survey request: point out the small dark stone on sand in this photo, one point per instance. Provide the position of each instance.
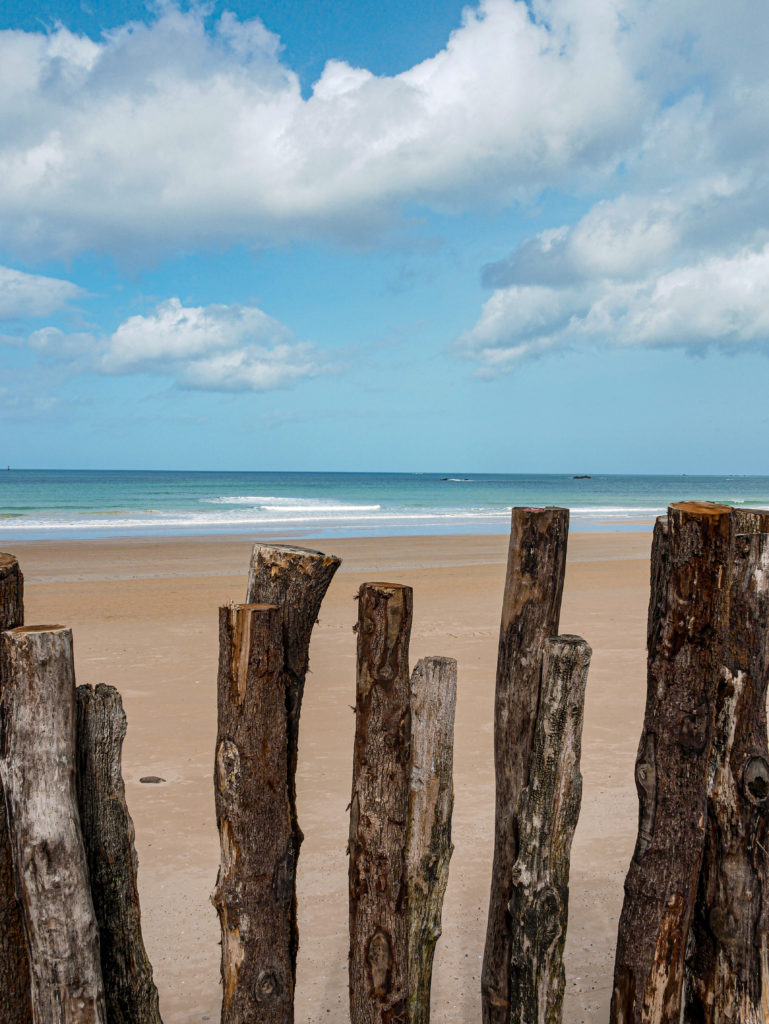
(151, 778)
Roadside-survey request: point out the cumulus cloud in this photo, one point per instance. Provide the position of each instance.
(719, 302)
(23, 295)
(176, 132)
(205, 348)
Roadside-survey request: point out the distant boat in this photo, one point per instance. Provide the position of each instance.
(582, 476)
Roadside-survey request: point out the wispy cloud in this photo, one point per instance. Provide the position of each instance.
(32, 295)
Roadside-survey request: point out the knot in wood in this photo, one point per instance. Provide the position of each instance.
(755, 778)
(379, 960)
(227, 765)
(268, 985)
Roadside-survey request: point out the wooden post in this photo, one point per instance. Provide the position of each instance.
(378, 972)
(531, 607)
(428, 843)
(684, 660)
(728, 962)
(15, 1000)
(37, 764)
(296, 580)
(108, 836)
(750, 520)
(254, 887)
(547, 816)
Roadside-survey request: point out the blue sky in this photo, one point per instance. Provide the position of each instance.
(502, 236)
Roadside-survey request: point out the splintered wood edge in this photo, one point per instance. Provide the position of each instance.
(235, 606)
(294, 549)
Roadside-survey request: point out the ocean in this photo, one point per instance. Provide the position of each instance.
(37, 504)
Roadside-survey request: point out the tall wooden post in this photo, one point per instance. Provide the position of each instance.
(254, 887)
(295, 580)
(547, 816)
(37, 765)
(15, 1001)
(685, 656)
(530, 612)
(727, 975)
(108, 836)
(378, 971)
(428, 841)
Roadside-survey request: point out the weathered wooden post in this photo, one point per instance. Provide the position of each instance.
(428, 841)
(37, 765)
(254, 888)
(378, 972)
(296, 580)
(108, 837)
(546, 819)
(530, 612)
(690, 564)
(15, 1001)
(727, 977)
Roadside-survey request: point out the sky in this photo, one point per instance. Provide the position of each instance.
(501, 237)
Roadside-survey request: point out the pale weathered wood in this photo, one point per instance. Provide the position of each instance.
(727, 965)
(546, 818)
(108, 837)
(15, 1001)
(296, 580)
(378, 971)
(684, 660)
(531, 607)
(428, 841)
(254, 887)
(37, 765)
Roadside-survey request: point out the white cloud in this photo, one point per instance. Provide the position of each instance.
(719, 302)
(205, 348)
(166, 134)
(23, 295)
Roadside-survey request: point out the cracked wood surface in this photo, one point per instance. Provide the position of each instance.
(254, 887)
(688, 622)
(108, 837)
(531, 608)
(37, 765)
(547, 815)
(727, 968)
(431, 800)
(378, 959)
(15, 1002)
(295, 579)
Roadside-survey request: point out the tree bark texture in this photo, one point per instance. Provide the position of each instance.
(296, 580)
(531, 608)
(727, 975)
(378, 971)
(108, 836)
(750, 520)
(15, 1000)
(254, 888)
(37, 764)
(547, 816)
(428, 842)
(684, 659)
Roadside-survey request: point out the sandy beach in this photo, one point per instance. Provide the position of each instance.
(144, 615)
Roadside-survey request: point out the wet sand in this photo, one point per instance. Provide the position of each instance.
(144, 615)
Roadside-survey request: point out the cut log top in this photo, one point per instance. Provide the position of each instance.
(702, 508)
(392, 588)
(21, 631)
(8, 564)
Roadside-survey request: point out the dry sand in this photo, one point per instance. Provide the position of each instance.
(144, 614)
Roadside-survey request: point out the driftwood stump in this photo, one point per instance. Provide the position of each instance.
(378, 972)
(428, 841)
(296, 580)
(37, 765)
(727, 976)
(254, 888)
(547, 816)
(690, 566)
(108, 836)
(530, 613)
(15, 1001)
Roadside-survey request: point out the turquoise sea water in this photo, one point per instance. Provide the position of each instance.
(69, 503)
